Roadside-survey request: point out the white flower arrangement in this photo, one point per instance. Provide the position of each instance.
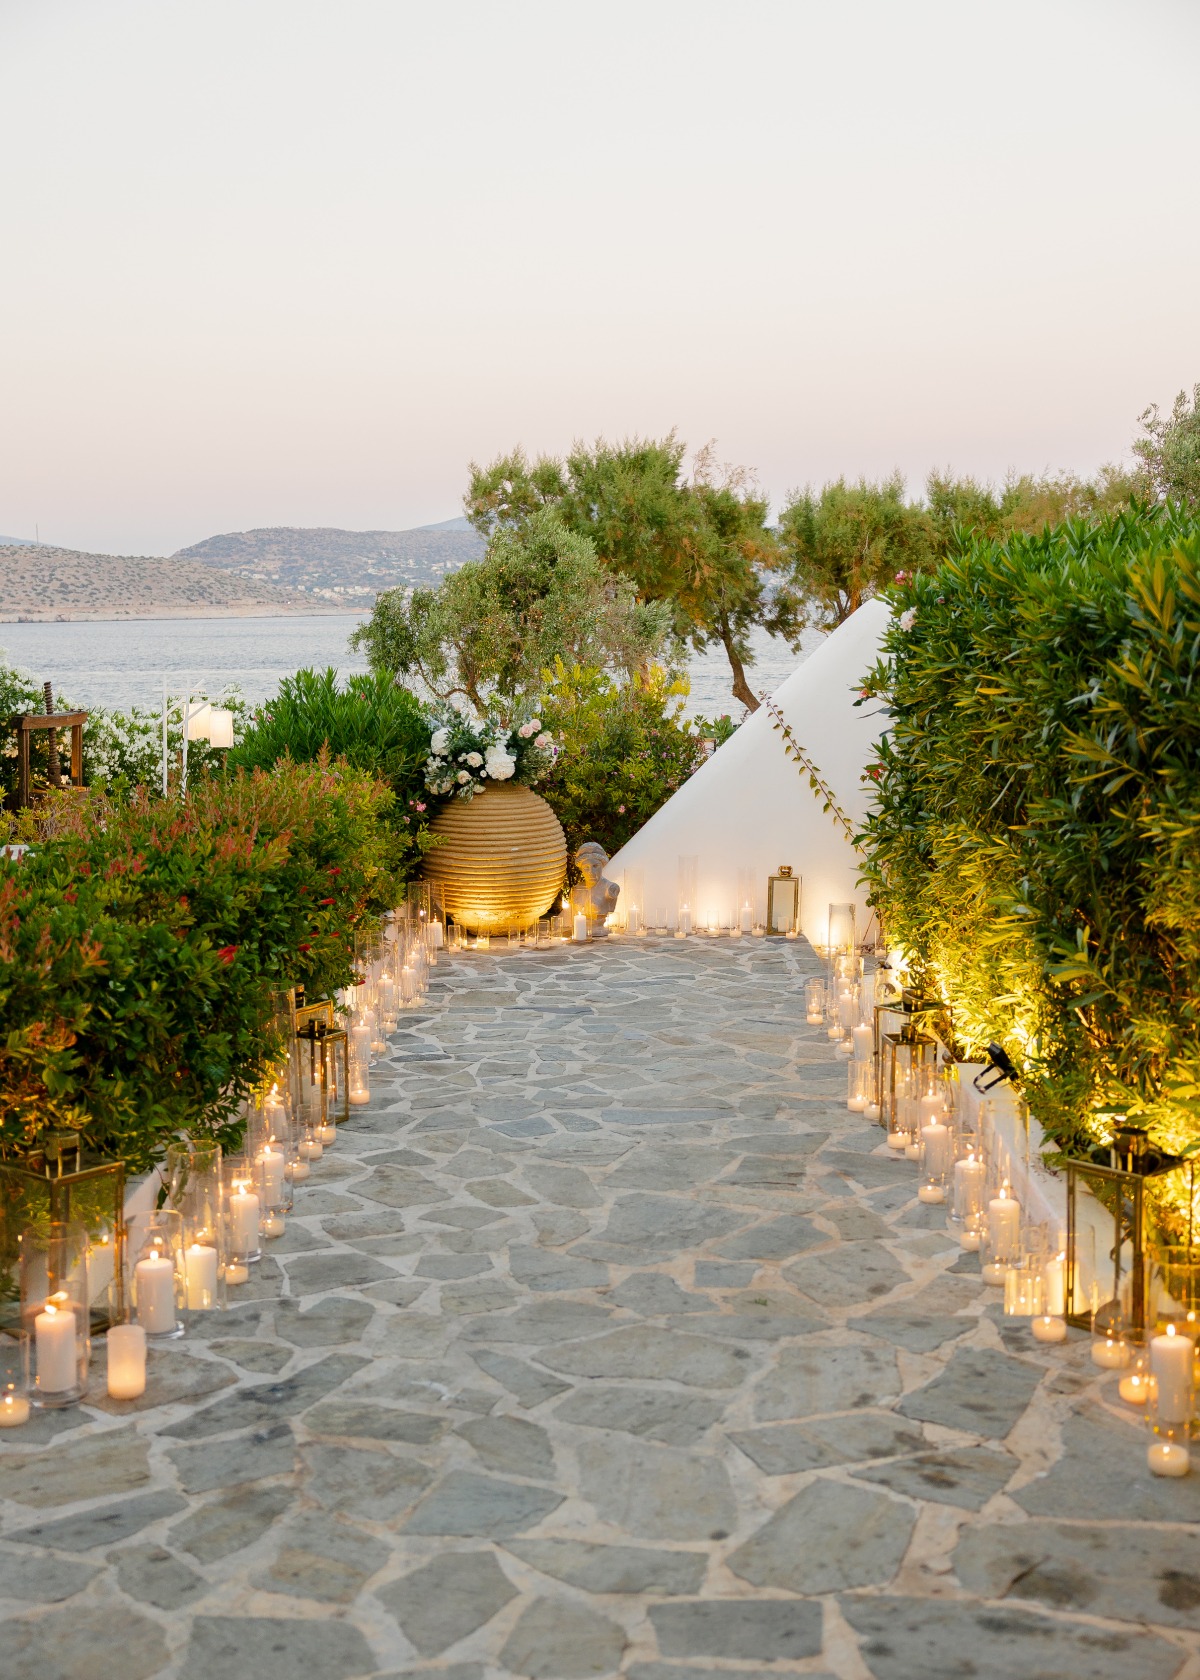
(464, 756)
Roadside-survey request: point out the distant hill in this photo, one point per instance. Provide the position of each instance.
(334, 565)
(43, 583)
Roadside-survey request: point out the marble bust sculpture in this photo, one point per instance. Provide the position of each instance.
(592, 894)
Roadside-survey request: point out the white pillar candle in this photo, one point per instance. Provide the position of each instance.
(311, 1148)
(126, 1361)
(298, 1171)
(54, 1338)
(969, 1240)
(746, 919)
(935, 1138)
(1004, 1223)
(14, 1411)
(864, 1042)
(271, 1165)
(273, 1225)
(200, 1275)
(579, 929)
(243, 1218)
(969, 1176)
(154, 1282)
(235, 1272)
(437, 935)
(1055, 1285)
(1135, 1388)
(1171, 1366)
(1048, 1328)
(685, 921)
(1168, 1458)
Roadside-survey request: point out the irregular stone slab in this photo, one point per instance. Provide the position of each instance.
(253, 1356)
(826, 1378)
(477, 1163)
(444, 1267)
(80, 1644)
(488, 1295)
(656, 1227)
(248, 1458)
(840, 1276)
(657, 1493)
(451, 1596)
(104, 1525)
(231, 1523)
(347, 1227)
(565, 1186)
(761, 1630)
(399, 1187)
(966, 1476)
(115, 1462)
(1128, 1573)
(855, 1222)
(497, 1192)
(782, 1170)
(375, 1423)
(556, 1639)
(980, 1391)
(715, 1274)
(760, 1324)
(530, 1386)
(788, 1449)
(155, 1576)
(654, 1294)
(268, 1402)
(613, 1569)
(642, 1351)
(780, 1143)
(413, 1336)
(364, 1482)
(873, 1171)
(909, 1327)
(313, 1274)
(336, 1319)
(541, 1323)
(656, 1166)
(275, 1648)
(1102, 1474)
(538, 1269)
(555, 1226)
(42, 1580)
(689, 1671)
(324, 1559)
(775, 1239)
(903, 1637)
(658, 1414)
(469, 1504)
(828, 1537)
(511, 1446)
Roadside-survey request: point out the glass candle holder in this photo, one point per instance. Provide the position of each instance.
(936, 1156)
(902, 1113)
(814, 1000)
(1137, 1385)
(1173, 1290)
(1002, 1235)
(970, 1177)
(14, 1378)
(241, 1211)
(1024, 1292)
(54, 1311)
(1171, 1410)
(1111, 1348)
(860, 1086)
(194, 1190)
(158, 1286)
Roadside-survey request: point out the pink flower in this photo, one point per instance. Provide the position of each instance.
(620, 810)
(901, 577)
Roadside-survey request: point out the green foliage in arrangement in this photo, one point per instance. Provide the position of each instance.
(1035, 842)
(488, 631)
(144, 949)
(627, 748)
(368, 722)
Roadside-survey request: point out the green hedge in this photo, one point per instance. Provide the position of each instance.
(1035, 843)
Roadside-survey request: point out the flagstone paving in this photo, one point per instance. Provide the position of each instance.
(605, 1342)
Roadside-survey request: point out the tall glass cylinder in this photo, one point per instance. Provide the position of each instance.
(55, 1310)
(193, 1175)
(1171, 1412)
(840, 925)
(814, 1001)
(15, 1377)
(631, 906)
(688, 872)
(746, 919)
(241, 1209)
(158, 1288)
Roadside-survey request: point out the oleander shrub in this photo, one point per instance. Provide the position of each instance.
(1035, 837)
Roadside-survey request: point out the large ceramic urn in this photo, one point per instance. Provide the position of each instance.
(502, 858)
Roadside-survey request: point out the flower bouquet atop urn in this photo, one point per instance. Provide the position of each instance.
(501, 854)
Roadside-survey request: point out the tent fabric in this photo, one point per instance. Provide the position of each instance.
(750, 807)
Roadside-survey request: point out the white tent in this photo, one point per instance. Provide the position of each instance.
(750, 807)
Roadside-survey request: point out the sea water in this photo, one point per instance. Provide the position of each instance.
(125, 663)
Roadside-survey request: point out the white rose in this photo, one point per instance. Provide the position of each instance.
(440, 740)
(544, 741)
(474, 760)
(464, 776)
(534, 725)
(908, 619)
(500, 764)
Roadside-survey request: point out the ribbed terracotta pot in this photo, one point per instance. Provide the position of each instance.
(502, 860)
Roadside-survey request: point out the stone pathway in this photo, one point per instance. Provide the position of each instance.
(606, 1342)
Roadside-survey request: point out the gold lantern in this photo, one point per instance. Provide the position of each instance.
(783, 902)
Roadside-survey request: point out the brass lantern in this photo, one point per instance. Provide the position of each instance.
(783, 902)
(1109, 1226)
(60, 1185)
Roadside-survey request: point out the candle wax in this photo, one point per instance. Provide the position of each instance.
(1049, 1328)
(931, 1193)
(1109, 1355)
(14, 1411)
(1168, 1458)
(897, 1140)
(1135, 1389)
(200, 1275)
(54, 1339)
(969, 1240)
(299, 1171)
(1171, 1359)
(154, 1282)
(126, 1361)
(235, 1272)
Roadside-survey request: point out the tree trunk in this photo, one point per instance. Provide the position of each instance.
(741, 688)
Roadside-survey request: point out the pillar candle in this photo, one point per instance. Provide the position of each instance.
(1004, 1224)
(271, 1163)
(200, 1275)
(243, 1218)
(14, 1411)
(310, 1148)
(746, 919)
(326, 1134)
(864, 1042)
(1049, 1328)
(1055, 1284)
(154, 1280)
(579, 928)
(126, 1361)
(685, 920)
(436, 934)
(1171, 1365)
(969, 1176)
(936, 1140)
(299, 1171)
(54, 1338)
(1168, 1458)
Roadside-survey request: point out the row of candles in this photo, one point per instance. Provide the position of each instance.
(217, 1210)
(963, 1163)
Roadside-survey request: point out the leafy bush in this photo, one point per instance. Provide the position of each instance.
(625, 749)
(143, 951)
(1035, 842)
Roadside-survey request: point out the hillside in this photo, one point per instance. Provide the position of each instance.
(41, 583)
(352, 566)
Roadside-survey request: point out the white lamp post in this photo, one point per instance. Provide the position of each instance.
(202, 721)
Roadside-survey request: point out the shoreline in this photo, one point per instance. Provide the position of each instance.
(164, 615)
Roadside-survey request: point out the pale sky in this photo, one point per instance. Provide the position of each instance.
(297, 262)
